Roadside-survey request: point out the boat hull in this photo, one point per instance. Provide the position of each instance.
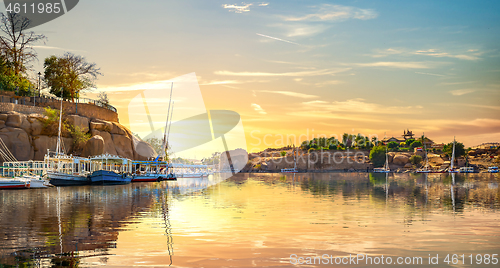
(60, 179)
(13, 184)
(105, 177)
(146, 178)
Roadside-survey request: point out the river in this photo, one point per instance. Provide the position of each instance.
(254, 220)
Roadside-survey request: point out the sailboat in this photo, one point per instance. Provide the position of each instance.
(62, 169)
(452, 169)
(385, 168)
(426, 167)
(294, 169)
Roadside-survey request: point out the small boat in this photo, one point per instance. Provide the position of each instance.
(385, 168)
(294, 169)
(451, 169)
(63, 179)
(13, 184)
(107, 177)
(289, 170)
(35, 181)
(426, 168)
(147, 177)
(493, 169)
(466, 170)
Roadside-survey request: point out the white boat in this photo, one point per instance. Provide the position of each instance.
(426, 168)
(385, 168)
(466, 170)
(35, 181)
(63, 169)
(493, 169)
(451, 169)
(294, 169)
(7, 183)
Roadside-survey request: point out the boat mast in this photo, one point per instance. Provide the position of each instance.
(425, 150)
(166, 123)
(58, 146)
(452, 155)
(169, 125)
(386, 159)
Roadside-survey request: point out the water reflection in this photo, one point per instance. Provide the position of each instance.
(249, 219)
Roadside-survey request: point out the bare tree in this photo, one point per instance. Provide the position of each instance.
(16, 44)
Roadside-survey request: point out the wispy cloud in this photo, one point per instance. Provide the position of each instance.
(455, 83)
(429, 74)
(440, 54)
(327, 12)
(359, 105)
(57, 48)
(396, 64)
(298, 74)
(460, 92)
(470, 54)
(291, 94)
(328, 83)
(279, 39)
(257, 108)
(243, 7)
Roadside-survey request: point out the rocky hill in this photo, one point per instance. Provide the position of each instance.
(28, 137)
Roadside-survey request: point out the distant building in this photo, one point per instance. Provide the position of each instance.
(488, 145)
(387, 140)
(408, 135)
(428, 142)
(438, 146)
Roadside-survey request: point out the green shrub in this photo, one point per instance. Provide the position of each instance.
(415, 144)
(311, 149)
(51, 123)
(415, 159)
(392, 145)
(377, 156)
(283, 153)
(79, 136)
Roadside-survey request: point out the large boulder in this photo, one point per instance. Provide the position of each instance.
(142, 149)
(14, 120)
(94, 146)
(119, 129)
(18, 142)
(79, 121)
(109, 146)
(400, 160)
(43, 143)
(123, 146)
(36, 127)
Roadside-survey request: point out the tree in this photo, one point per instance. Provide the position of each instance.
(415, 144)
(156, 143)
(459, 149)
(415, 159)
(70, 73)
(103, 97)
(9, 81)
(408, 142)
(377, 156)
(283, 153)
(16, 44)
(392, 145)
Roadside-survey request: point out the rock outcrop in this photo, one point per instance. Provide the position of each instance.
(28, 138)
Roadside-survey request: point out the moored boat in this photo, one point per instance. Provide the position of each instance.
(6, 183)
(466, 170)
(385, 168)
(108, 177)
(493, 169)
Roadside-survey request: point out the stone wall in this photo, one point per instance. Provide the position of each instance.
(84, 109)
(24, 109)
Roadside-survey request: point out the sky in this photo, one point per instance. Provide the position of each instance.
(302, 69)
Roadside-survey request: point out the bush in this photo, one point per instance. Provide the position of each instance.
(408, 142)
(79, 136)
(392, 145)
(415, 144)
(377, 156)
(311, 149)
(415, 159)
(283, 153)
(332, 147)
(51, 123)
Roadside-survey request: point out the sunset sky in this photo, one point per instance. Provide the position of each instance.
(303, 67)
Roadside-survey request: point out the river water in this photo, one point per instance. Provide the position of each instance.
(254, 220)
